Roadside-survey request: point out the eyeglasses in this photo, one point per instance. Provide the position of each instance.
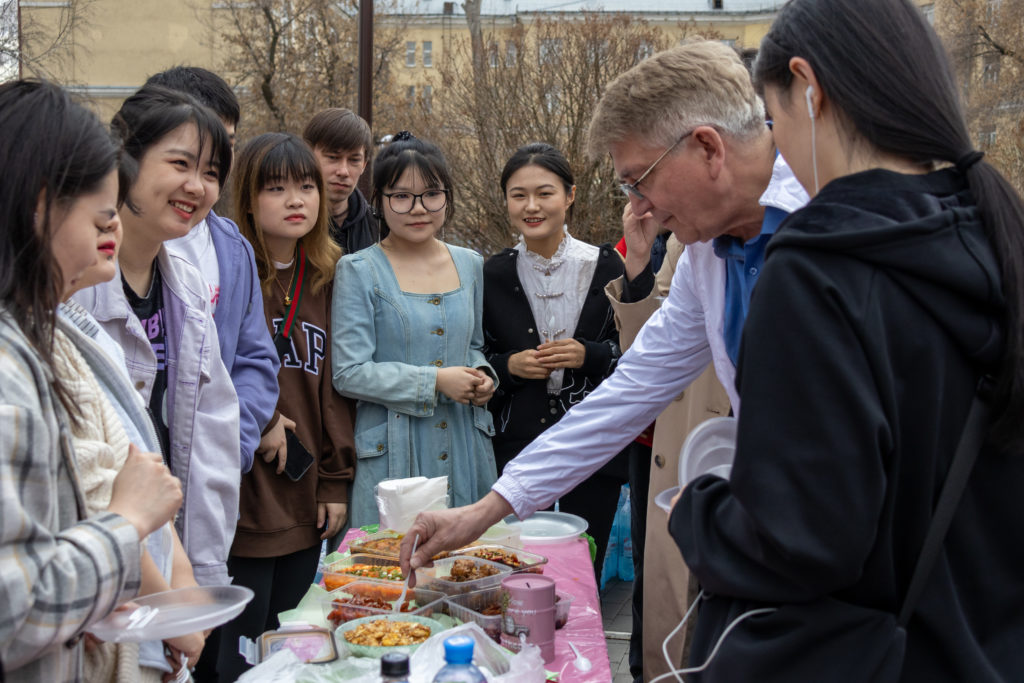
(631, 188)
(431, 200)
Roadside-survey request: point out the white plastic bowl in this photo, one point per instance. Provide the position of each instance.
(709, 449)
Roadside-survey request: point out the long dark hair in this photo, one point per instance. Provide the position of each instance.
(403, 152)
(274, 157)
(153, 112)
(539, 154)
(55, 150)
(889, 77)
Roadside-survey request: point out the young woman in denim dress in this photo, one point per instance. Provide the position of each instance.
(407, 338)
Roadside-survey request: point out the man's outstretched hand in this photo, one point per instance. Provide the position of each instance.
(449, 529)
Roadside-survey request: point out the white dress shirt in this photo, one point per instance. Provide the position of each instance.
(670, 352)
(556, 288)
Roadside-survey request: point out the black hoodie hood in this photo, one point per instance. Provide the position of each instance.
(917, 234)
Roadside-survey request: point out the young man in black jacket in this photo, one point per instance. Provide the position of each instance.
(342, 143)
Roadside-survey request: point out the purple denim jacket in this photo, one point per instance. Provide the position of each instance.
(201, 403)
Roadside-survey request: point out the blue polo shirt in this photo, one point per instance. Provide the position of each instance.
(743, 263)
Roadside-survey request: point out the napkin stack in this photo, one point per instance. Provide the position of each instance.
(400, 500)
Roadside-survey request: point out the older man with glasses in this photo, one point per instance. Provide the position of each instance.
(689, 143)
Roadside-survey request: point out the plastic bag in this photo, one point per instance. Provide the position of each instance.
(618, 557)
(496, 664)
(624, 518)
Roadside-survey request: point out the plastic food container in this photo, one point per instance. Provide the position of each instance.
(515, 559)
(367, 598)
(310, 644)
(357, 567)
(438, 577)
(470, 607)
(502, 534)
(379, 651)
(382, 544)
(563, 603)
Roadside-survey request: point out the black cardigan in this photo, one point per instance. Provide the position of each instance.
(523, 408)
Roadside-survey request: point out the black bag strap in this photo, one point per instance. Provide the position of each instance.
(956, 480)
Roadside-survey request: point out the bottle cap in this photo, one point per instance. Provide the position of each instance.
(458, 650)
(394, 664)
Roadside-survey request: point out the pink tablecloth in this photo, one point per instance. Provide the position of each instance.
(569, 565)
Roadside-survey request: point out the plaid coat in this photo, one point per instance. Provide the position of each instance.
(59, 572)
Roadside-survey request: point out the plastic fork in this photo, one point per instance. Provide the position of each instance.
(183, 675)
(405, 588)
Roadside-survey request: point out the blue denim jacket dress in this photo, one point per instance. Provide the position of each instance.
(387, 346)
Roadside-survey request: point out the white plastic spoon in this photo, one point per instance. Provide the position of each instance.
(581, 663)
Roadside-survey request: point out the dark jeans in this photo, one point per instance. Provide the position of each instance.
(279, 583)
(639, 484)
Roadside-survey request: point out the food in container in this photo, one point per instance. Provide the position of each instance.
(517, 560)
(453, 575)
(374, 636)
(382, 544)
(359, 566)
(484, 607)
(563, 603)
(388, 633)
(368, 598)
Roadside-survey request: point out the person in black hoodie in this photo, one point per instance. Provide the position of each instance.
(342, 143)
(549, 333)
(881, 306)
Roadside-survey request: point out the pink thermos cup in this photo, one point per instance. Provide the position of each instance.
(530, 611)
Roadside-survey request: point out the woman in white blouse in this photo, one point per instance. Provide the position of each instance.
(548, 327)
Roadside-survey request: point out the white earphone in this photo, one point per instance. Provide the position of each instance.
(808, 94)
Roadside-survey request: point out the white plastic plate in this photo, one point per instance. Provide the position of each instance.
(173, 613)
(709, 449)
(664, 499)
(548, 528)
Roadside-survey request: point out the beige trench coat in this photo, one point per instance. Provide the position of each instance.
(666, 576)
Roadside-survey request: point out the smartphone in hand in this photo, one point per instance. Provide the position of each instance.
(299, 457)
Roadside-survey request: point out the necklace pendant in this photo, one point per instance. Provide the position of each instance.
(287, 300)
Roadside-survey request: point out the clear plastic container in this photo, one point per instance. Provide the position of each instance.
(514, 558)
(502, 533)
(438, 577)
(470, 607)
(366, 598)
(381, 544)
(459, 667)
(358, 566)
(563, 603)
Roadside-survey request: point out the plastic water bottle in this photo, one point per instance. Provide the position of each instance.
(394, 668)
(459, 668)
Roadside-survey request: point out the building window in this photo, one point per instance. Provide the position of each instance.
(428, 98)
(552, 100)
(428, 53)
(492, 55)
(987, 137)
(716, 4)
(990, 68)
(410, 53)
(511, 53)
(549, 50)
(644, 51)
(410, 96)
